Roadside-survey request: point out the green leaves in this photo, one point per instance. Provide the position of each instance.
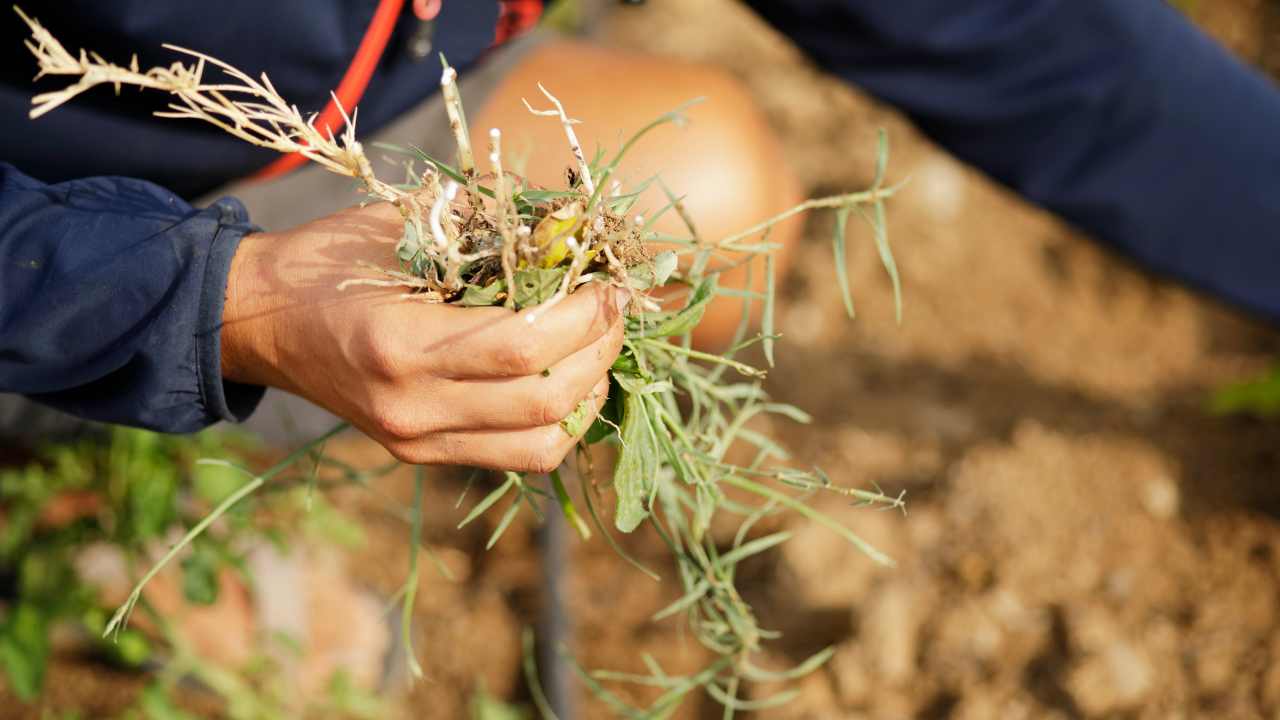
(410, 242)
(200, 575)
(681, 322)
(157, 705)
(1259, 396)
(476, 296)
(535, 285)
(535, 196)
(637, 465)
(576, 422)
(654, 273)
(24, 649)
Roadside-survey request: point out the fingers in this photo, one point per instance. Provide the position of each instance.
(524, 402)
(495, 343)
(536, 450)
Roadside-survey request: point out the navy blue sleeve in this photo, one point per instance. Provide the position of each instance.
(111, 294)
(1118, 115)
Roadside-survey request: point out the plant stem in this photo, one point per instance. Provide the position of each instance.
(855, 198)
(567, 507)
(121, 616)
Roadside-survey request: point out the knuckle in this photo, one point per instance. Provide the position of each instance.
(395, 421)
(384, 357)
(540, 463)
(551, 406)
(544, 455)
(519, 359)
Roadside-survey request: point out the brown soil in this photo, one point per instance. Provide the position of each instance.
(1082, 540)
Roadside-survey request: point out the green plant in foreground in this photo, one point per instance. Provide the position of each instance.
(1258, 396)
(674, 412)
(84, 498)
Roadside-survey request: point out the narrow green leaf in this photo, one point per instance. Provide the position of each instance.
(471, 480)
(882, 157)
(841, 262)
(530, 666)
(675, 116)
(814, 515)
(789, 411)
(411, 582)
(755, 547)
(488, 501)
(533, 196)
(877, 222)
(813, 662)
(685, 602)
(567, 507)
(766, 321)
(772, 701)
(503, 524)
(450, 171)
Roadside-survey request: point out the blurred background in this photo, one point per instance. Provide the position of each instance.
(1084, 536)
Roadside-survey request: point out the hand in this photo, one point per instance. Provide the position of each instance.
(434, 384)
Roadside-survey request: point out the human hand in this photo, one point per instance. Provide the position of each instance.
(434, 384)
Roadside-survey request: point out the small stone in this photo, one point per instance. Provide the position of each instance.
(1117, 679)
(1160, 497)
(852, 678)
(891, 626)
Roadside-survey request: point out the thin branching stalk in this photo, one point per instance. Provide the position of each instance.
(575, 147)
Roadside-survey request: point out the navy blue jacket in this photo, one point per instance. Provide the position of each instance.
(1116, 114)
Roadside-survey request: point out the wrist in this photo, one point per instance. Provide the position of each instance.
(247, 334)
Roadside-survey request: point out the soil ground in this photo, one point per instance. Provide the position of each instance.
(1082, 539)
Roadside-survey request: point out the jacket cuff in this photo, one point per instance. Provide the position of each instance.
(223, 399)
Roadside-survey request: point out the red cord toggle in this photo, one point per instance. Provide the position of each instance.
(427, 10)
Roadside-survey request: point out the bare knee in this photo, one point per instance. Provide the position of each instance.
(727, 162)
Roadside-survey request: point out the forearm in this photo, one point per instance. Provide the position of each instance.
(1116, 114)
(111, 294)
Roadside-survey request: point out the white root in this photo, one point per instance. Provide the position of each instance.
(509, 238)
(437, 210)
(583, 169)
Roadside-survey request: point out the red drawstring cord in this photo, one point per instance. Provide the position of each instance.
(516, 17)
(356, 79)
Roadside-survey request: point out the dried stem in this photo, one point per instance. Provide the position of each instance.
(584, 169)
(506, 212)
(457, 119)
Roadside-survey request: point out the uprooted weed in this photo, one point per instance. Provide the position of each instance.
(674, 412)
